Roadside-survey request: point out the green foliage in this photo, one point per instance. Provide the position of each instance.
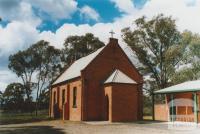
(79, 46)
(24, 64)
(160, 47)
(191, 59)
(147, 106)
(40, 59)
(157, 44)
(44, 99)
(1, 100)
(14, 97)
(48, 60)
(183, 75)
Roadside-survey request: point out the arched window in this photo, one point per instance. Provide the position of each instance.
(63, 97)
(74, 97)
(54, 98)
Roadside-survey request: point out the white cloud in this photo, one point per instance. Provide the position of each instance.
(17, 35)
(22, 10)
(7, 77)
(57, 9)
(186, 16)
(126, 6)
(17, 10)
(89, 13)
(3, 86)
(100, 30)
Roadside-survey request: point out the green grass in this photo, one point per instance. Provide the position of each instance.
(32, 130)
(15, 118)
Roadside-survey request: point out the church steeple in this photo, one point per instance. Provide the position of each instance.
(113, 41)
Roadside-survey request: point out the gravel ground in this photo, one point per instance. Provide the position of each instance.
(69, 127)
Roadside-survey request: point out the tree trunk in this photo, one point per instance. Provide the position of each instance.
(36, 103)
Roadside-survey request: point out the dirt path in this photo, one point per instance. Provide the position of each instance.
(68, 127)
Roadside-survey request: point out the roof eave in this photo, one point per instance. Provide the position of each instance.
(63, 82)
(175, 91)
(120, 83)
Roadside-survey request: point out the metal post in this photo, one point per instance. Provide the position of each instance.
(172, 107)
(153, 112)
(50, 102)
(195, 108)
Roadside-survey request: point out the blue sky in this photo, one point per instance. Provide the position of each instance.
(105, 8)
(98, 5)
(25, 22)
(106, 11)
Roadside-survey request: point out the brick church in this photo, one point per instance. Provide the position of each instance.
(104, 85)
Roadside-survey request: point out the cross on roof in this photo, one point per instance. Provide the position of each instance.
(112, 33)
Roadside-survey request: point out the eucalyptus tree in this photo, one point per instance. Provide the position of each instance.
(48, 59)
(76, 47)
(39, 59)
(14, 97)
(189, 69)
(157, 44)
(24, 64)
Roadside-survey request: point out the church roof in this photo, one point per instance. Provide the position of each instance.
(119, 77)
(75, 69)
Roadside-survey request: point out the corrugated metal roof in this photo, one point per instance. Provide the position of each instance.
(75, 69)
(119, 77)
(131, 55)
(189, 86)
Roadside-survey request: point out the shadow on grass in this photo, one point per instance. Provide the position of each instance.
(20, 121)
(18, 118)
(148, 122)
(31, 130)
(140, 122)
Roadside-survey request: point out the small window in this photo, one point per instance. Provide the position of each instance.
(74, 97)
(63, 97)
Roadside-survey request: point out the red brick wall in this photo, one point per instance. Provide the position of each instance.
(161, 112)
(108, 107)
(74, 114)
(124, 102)
(53, 90)
(111, 58)
(90, 87)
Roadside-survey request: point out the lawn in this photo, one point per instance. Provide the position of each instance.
(15, 118)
